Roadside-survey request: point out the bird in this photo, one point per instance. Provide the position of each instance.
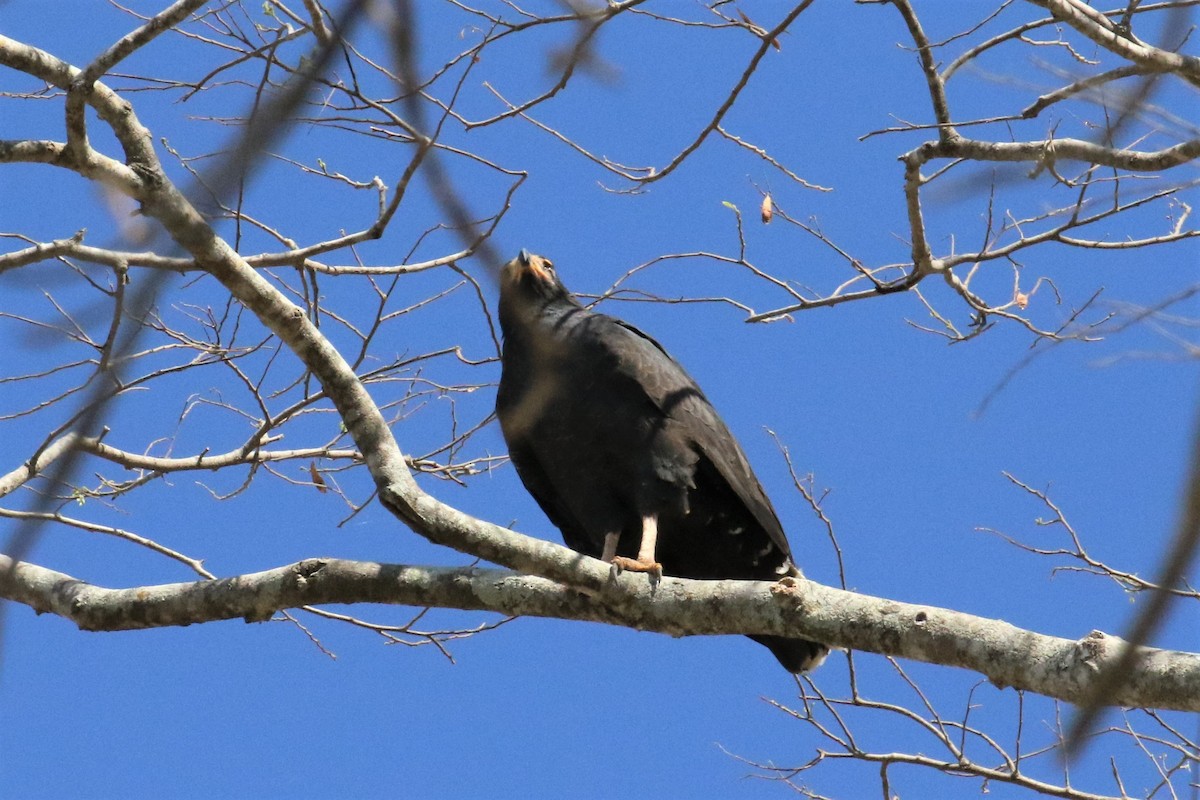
(623, 451)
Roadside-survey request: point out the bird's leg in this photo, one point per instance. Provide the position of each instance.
(610, 547)
(610, 553)
(645, 559)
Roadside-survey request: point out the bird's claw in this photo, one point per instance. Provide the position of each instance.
(651, 568)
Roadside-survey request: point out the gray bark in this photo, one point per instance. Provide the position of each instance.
(1005, 654)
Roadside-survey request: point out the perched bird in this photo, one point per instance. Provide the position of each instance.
(624, 453)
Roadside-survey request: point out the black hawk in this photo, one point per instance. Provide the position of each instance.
(624, 453)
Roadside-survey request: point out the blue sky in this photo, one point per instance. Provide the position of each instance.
(885, 416)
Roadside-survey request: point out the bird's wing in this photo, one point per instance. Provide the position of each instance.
(529, 469)
(679, 398)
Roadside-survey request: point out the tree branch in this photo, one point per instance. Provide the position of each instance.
(1104, 32)
(398, 491)
(1007, 655)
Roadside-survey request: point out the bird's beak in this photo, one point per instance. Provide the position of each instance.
(528, 262)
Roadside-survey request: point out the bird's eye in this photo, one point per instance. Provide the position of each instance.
(548, 264)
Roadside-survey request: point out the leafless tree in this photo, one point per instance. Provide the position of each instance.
(196, 282)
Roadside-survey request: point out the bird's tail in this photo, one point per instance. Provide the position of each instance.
(796, 655)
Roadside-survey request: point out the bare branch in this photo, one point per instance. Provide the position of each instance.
(1007, 655)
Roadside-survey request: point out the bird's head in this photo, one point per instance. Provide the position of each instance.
(528, 287)
(531, 277)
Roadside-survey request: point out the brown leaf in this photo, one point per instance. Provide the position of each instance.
(767, 209)
(317, 480)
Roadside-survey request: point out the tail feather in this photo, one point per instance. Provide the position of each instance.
(796, 655)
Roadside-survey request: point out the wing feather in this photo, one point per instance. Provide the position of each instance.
(679, 397)
(539, 485)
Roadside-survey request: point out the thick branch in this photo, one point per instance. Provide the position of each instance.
(97, 167)
(40, 461)
(1101, 30)
(112, 109)
(1007, 655)
(1051, 150)
(937, 87)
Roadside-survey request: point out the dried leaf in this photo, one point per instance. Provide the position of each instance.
(1022, 300)
(317, 480)
(768, 209)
